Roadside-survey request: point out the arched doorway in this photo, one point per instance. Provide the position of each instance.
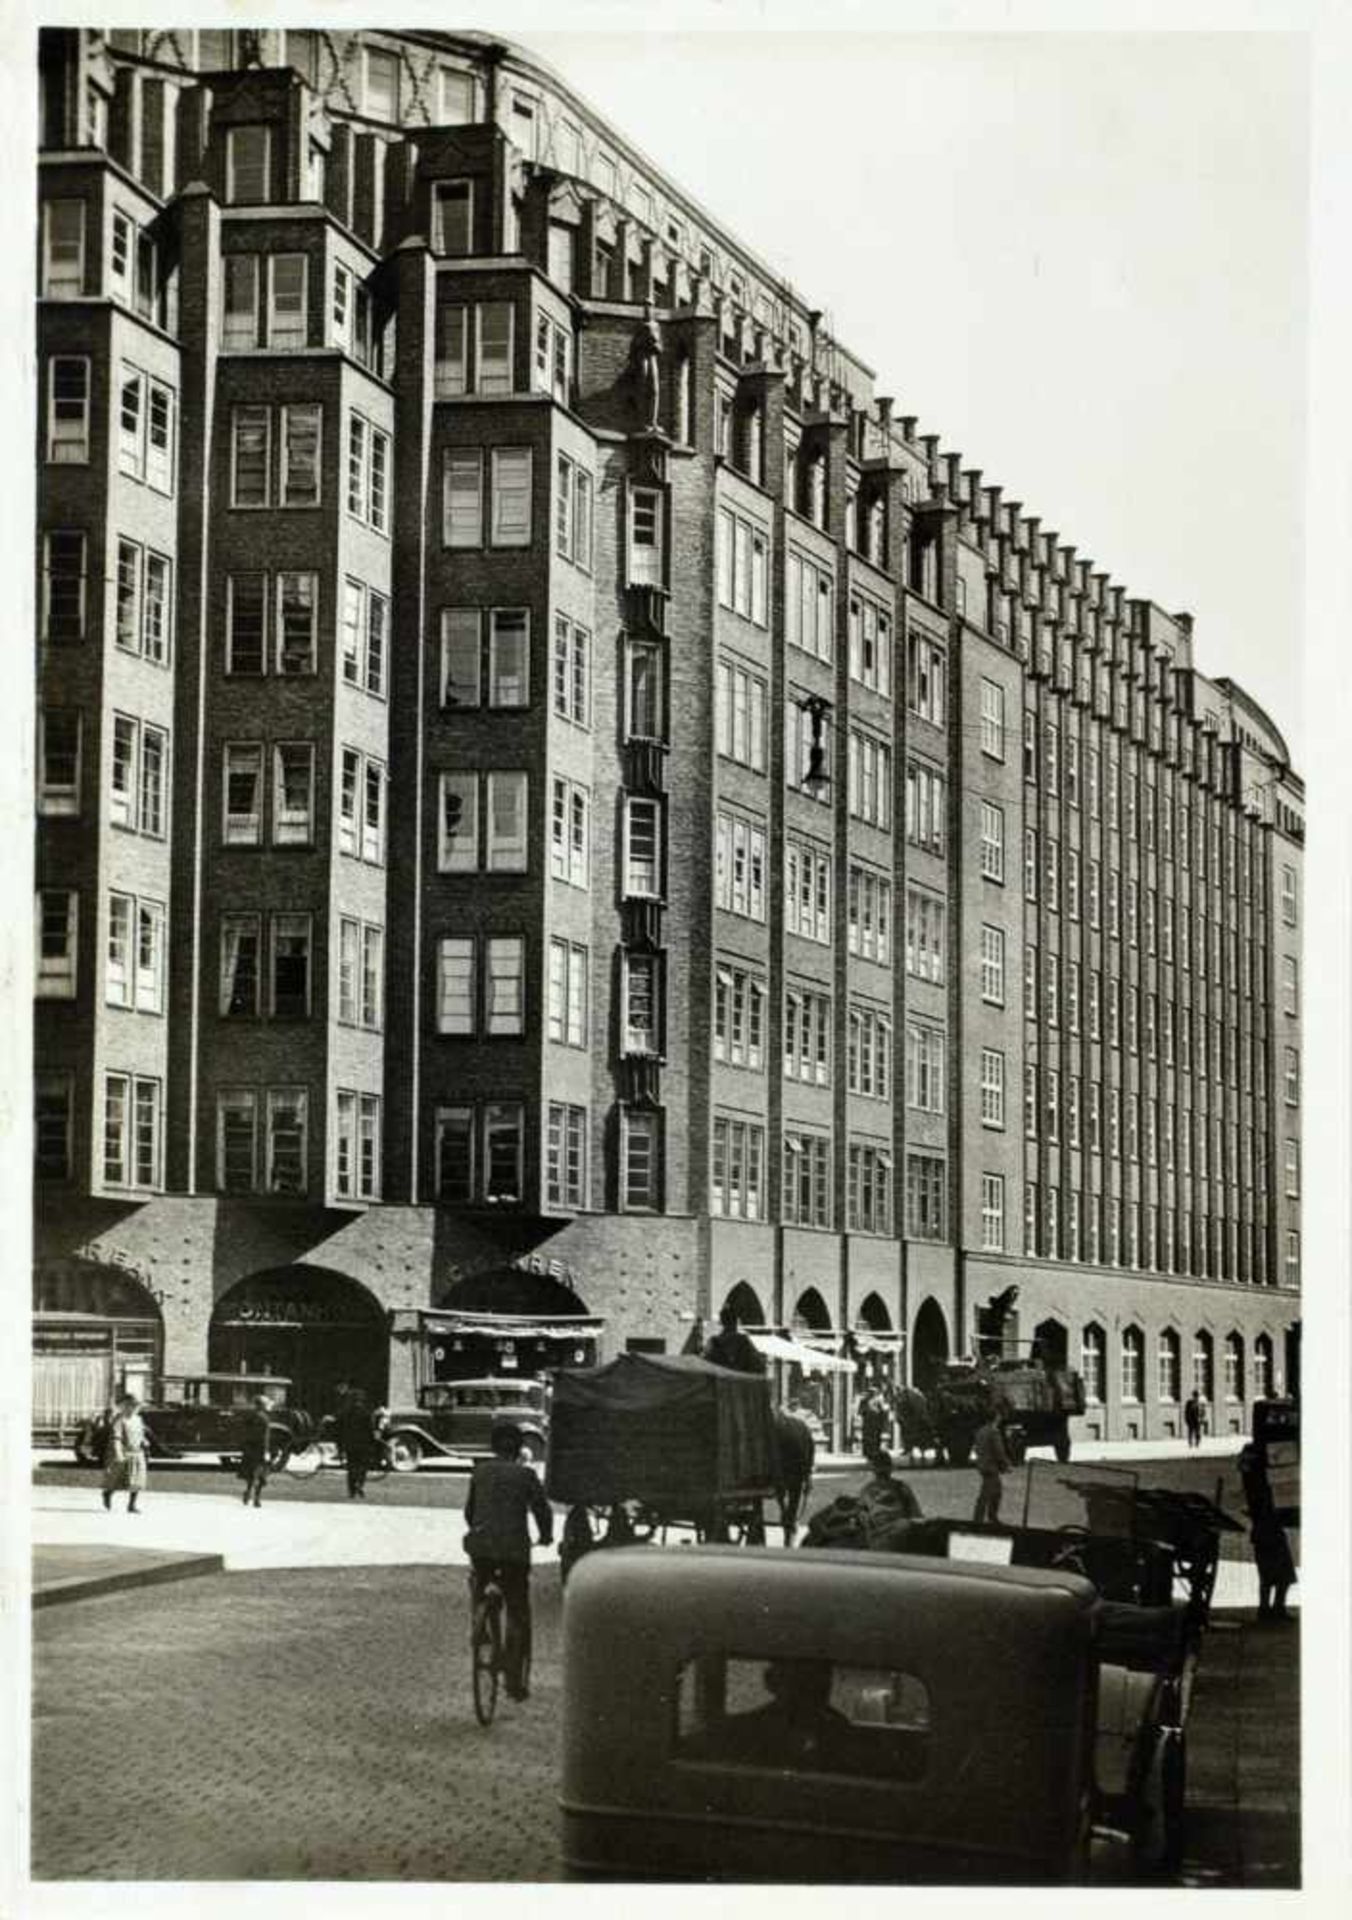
(810, 1312)
(745, 1303)
(97, 1330)
(515, 1320)
(319, 1329)
(1051, 1345)
(878, 1344)
(929, 1343)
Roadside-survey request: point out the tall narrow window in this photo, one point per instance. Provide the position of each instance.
(645, 537)
(511, 497)
(297, 612)
(288, 312)
(64, 585)
(494, 368)
(506, 814)
(68, 410)
(59, 740)
(504, 986)
(460, 664)
(463, 498)
(642, 848)
(300, 456)
(247, 156)
(453, 217)
(63, 249)
(57, 943)
(290, 997)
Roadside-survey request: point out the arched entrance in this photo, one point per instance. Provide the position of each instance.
(810, 1312)
(97, 1330)
(878, 1344)
(318, 1328)
(929, 1343)
(745, 1303)
(1051, 1345)
(515, 1320)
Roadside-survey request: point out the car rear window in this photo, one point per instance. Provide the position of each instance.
(803, 1716)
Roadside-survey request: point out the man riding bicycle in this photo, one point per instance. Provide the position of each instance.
(502, 1492)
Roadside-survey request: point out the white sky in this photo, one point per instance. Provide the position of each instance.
(1080, 259)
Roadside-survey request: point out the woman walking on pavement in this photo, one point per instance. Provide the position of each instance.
(124, 1459)
(253, 1458)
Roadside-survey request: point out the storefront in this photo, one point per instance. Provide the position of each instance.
(521, 1320)
(319, 1329)
(97, 1332)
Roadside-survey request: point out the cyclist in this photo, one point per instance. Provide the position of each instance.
(502, 1493)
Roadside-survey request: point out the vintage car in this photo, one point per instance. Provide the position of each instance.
(769, 1715)
(456, 1417)
(191, 1414)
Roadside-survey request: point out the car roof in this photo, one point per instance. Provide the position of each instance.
(261, 1381)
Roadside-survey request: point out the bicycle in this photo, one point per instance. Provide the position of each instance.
(487, 1645)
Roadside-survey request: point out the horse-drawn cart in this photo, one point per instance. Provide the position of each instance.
(653, 1441)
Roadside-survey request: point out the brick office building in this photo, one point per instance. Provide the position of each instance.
(557, 806)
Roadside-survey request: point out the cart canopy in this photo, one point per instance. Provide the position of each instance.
(659, 1428)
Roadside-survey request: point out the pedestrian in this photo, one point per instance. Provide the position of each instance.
(1267, 1535)
(730, 1347)
(872, 1423)
(253, 1454)
(992, 1463)
(124, 1459)
(357, 1438)
(503, 1493)
(1192, 1419)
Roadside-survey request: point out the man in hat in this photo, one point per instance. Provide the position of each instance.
(253, 1457)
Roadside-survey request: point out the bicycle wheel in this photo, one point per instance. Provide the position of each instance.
(486, 1654)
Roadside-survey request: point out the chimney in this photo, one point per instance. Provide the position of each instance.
(993, 508)
(953, 461)
(885, 404)
(930, 442)
(908, 423)
(973, 479)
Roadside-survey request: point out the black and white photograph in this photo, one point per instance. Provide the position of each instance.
(685, 1184)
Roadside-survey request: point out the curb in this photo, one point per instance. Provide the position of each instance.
(89, 1587)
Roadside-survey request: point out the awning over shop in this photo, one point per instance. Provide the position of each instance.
(513, 1326)
(811, 1359)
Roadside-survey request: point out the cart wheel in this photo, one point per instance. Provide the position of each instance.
(1157, 1828)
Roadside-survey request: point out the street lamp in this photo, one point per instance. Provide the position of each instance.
(817, 776)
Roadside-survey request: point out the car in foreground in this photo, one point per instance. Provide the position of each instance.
(188, 1415)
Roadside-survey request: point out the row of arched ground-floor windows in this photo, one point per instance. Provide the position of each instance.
(1183, 1364)
(1243, 1375)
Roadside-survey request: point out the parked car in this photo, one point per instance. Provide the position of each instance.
(456, 1417)
(188, 1414)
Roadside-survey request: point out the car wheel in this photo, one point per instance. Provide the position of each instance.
(404, 1452)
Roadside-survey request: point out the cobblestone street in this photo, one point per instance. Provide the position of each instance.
(291, 1725)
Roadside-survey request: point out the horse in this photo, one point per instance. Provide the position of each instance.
(796, 1451)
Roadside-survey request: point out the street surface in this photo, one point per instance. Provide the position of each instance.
(316, 1723)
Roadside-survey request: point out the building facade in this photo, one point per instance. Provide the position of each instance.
(558, 807)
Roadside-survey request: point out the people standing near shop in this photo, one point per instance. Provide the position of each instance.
(730, 1347)
(872, 1423)
(992, 1463)
(357, 1438)
(1192, 1419)
(124, 1457)
(253, 1454)
(1267, 1535)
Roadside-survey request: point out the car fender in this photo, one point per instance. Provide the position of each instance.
(410, 1430)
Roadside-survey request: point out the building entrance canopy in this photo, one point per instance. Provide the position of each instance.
(516, 1326)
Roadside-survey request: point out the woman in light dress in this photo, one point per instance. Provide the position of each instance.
(124, 1461)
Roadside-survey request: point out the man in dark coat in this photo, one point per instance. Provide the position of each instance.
(253, 1461)
(357, 1438)
(730, 1347)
